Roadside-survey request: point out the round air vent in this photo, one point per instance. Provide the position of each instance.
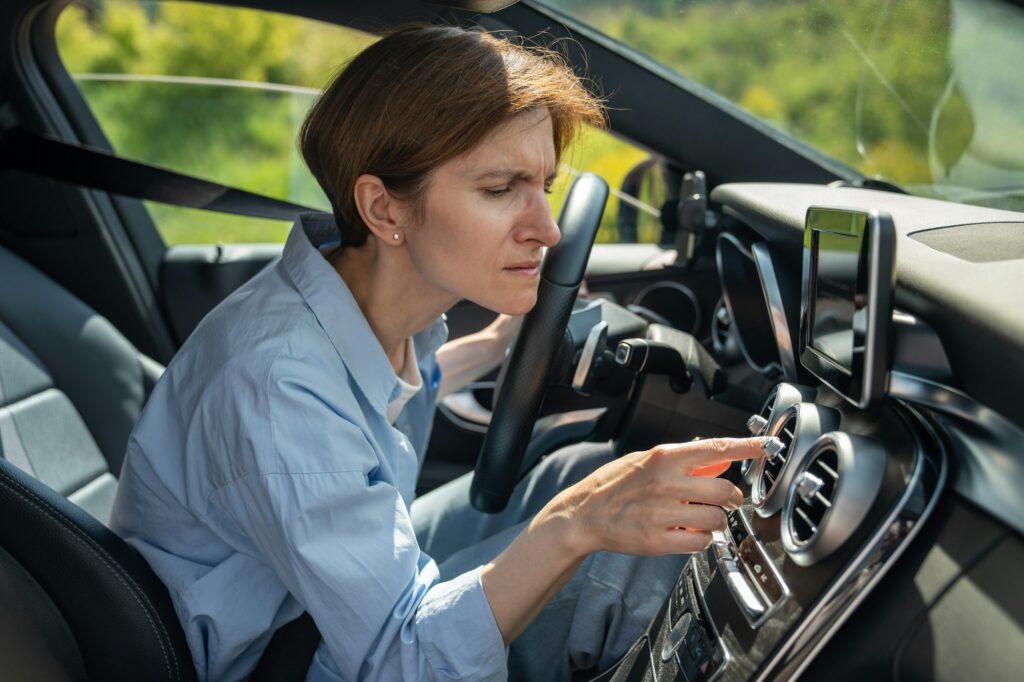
(781, 397)
(797, 427)
(830, 494)
(815, 490)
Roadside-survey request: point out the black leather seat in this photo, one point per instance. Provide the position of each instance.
(76, 601)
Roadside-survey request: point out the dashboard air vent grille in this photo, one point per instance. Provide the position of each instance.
(769, 404)
(815, 490)
(773, 468)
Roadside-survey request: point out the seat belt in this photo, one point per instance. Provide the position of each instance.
(85, 166)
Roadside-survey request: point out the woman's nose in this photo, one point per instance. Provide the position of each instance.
(539, 222)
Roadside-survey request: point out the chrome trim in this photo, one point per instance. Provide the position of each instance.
(650, 658)
(861, 575)
(990, 472)
(951, 401)
(784, 395)
(594, 344)
(776, 311)
(736, 575)
(676, 636)
(735, 242)
(861, 469)
(811, 421)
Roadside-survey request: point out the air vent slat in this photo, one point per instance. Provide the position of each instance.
(773, 467)
(813, 527)
(816, 495)
(827, 469)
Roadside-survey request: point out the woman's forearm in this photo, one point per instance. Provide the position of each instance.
(470, 357)
(523, 578)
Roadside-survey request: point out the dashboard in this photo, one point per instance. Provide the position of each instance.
(864, 463)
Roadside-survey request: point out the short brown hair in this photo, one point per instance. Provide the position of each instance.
(423, 95)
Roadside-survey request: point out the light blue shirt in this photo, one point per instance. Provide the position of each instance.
(264, 479)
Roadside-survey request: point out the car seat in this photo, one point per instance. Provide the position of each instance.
(77, 601)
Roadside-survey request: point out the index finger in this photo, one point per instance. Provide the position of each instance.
(701, 454)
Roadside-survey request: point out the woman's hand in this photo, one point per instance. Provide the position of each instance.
(503, 330)
(470, 357)
(661, 501)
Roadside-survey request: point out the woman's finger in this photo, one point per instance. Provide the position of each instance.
(684, 541)
(712, 470)
(714, 491)
(703, 517)
(710, 452)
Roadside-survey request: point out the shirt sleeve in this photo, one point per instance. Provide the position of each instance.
(342, 542)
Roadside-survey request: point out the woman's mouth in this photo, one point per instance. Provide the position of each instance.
(526, 268)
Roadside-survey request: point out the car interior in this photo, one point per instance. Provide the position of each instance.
(876, 331)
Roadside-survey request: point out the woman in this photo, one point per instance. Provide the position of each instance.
(274, 467)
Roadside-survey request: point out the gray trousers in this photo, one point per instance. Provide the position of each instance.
(596, 616)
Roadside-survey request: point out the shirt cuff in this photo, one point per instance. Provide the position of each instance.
(458, 633)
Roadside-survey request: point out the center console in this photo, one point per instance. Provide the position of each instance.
(821, 524)
(827, 515)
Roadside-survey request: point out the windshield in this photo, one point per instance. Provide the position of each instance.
(928, 94)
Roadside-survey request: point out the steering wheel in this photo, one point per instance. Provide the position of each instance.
(527, 367)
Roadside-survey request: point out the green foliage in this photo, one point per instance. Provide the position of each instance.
(868, 82)
(240, 136)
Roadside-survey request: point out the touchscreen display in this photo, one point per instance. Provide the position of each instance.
(846, 308)
(835, 289)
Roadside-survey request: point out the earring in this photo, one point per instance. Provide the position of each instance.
(395, 236)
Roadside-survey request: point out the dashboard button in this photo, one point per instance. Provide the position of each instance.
(695, 636)
(676, 636)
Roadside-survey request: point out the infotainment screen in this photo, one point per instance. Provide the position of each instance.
(846, 309)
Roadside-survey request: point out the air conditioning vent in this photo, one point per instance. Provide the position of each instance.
(773, 467)
(796, 427)
(830, 495)
(781, 398)
(815, 489)
(769, 405)
(758, 425)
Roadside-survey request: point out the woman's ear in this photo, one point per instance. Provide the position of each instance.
(383, 214)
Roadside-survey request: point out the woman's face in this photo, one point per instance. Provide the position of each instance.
(485, 218)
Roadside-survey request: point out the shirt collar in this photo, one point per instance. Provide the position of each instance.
(338, 313)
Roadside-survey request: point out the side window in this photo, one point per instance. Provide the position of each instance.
(214, 92)
(633, 212)
(220, 92)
